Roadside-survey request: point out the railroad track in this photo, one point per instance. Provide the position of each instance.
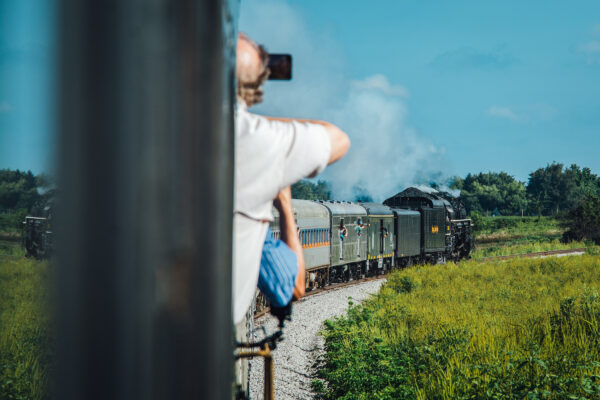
(333, 286)
(342, 285)
(533, 255)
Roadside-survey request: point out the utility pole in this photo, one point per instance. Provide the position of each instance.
(145, 206)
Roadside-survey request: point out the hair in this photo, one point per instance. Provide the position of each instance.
(250, 90)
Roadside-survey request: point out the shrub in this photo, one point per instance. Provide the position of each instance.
(585, 221)
(527, 328)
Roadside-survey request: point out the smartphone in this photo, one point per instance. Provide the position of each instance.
(280, 66)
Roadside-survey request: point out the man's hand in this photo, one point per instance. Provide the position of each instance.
(289, 235)
(283, 201)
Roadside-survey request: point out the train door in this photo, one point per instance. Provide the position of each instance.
(381, 240)
(381, 236)
(343, 236)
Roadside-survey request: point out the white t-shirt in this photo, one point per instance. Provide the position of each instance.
(269, 156)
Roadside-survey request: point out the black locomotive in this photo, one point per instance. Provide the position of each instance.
(37, 236)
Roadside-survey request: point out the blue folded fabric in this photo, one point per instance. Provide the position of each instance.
(278, 270)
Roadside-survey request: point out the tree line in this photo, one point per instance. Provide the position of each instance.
(20, 190)
(552, 190)
(22, 193)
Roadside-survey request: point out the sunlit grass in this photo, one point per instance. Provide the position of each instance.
(523, 248)
(506, 229)
(25, 348)
(524, 328)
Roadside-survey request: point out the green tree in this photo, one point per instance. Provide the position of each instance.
(485, 192)
(18, 190)
(554, 189)
(585, 220)
(307, 190)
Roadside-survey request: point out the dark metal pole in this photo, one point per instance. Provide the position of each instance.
(145, 208)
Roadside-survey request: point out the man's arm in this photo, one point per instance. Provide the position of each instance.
(340, 143)
(289, 235)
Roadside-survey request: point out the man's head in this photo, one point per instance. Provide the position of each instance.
(251, 70)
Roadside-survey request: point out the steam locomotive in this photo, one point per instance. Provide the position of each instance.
(344, 241)
(37, 236)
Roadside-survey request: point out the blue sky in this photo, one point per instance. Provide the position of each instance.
(26, 85)
(431, 88)
(494, 85)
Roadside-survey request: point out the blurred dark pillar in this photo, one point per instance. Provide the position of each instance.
(145, 208)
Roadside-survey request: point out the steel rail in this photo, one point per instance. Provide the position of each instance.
(534, 254)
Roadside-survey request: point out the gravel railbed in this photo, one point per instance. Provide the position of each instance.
(295, 356)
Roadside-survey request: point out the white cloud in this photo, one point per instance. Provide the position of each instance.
(531, 113)
(5, 107)
(380, 82)
(540, 112)
(502, 112)
(387, 154)
(591, 49)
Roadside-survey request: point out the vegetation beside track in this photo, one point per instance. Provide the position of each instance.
(25, 347)
(514, 229)
(503, 236)
(524, 248)
(524, 328)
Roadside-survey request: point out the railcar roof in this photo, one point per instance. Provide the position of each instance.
(309, 208)
(306, 209)
(377, 209)
(344, 208)
(402, 211)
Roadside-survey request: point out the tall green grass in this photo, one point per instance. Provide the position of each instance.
(524, 247)
(519, 329)
(502, 229)
(25, 347)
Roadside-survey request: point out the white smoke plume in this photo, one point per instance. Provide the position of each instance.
(387, 155)
(426, 189)
(452, 192)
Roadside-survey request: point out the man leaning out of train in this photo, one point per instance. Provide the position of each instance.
(270, 155)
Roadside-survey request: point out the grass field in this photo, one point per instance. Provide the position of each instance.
(504, 249)
(516, 230)
(502, 236)
(518, 329)
(25, 348)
